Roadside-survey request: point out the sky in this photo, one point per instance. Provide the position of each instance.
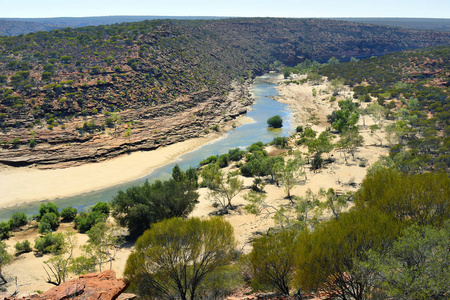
(229, 8)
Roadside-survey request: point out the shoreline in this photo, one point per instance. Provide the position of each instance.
(30, 184)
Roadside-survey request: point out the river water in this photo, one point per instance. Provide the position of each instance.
(243, 136)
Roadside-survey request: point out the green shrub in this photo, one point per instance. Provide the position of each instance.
(25, 246)
(49, 222)
(236, 154)
(49, 243)
(68, 214)
(47, 208)
(85, 221)
(223, 160)
(101, 207)
(280, 141)
(18, 219)
(4, 230)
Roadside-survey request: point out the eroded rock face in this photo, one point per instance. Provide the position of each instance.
(95, 286)
(148, 129)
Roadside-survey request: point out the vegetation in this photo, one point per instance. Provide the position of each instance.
(175, 256)
(272, 260)
(140, 206)
(275, 122)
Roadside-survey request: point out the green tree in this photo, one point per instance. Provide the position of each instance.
(5, 259)
(349, 141)
(173, 257)
(103, 244)
(417, 198)
(140, 206)
(275, 122)
(326, 257)
(290, 172)
(272, 259)
(224, 189)
(57, 267)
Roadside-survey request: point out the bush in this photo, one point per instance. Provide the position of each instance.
(85, 221)
(49, 243)
(275, 122)
(25, 246)
(101, 207)
(223, 160)
(236, 154)
(68, 214)
(299, 128)
(49, 222)
(48, 208)
(4, 230)
(18, 219)
(280, 141)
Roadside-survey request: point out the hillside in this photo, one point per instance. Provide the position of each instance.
(414, 88)
(77, 95)
(409, 23)
(17, 26)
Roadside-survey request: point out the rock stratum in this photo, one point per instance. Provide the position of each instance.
(72, 96)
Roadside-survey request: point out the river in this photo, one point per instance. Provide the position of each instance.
(243, 136)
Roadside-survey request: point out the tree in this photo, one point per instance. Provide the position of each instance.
(175, 256)
(5, 259)
(290, 171)
(57, 267)
(345, 118)
(275, 122)
(224, 189)
(417, 266)
(272, 259)
(417, 198)
(103, 244)
(334, 202)
(326, 257)
(349, 141)
(140, 206)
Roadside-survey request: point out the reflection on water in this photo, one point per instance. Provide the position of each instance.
(264, 108)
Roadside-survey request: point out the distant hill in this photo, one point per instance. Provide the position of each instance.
(409, 23)
(17, 26)
(161, 80)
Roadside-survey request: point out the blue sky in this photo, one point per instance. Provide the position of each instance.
(244, 8)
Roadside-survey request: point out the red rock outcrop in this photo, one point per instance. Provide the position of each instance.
(94, 286)
(104, 286)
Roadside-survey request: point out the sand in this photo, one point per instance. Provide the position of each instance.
(338, 175)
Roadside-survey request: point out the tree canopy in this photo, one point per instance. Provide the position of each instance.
(140, 206)
(174, 256)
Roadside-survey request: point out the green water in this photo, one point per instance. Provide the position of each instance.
(243, 136)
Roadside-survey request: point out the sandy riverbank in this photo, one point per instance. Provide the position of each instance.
(18, 185)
